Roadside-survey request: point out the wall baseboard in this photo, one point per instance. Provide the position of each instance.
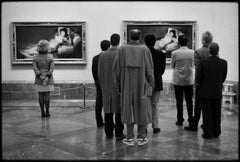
(14, 90)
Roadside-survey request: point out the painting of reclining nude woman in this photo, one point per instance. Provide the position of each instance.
(166, 32)
(66, 40)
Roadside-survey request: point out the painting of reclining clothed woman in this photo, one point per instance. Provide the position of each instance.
(63, 43)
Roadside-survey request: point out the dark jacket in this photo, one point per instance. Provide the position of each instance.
(211, 74)
(200, 54)
(95, 70)
(43, 64)
(110, 96)
(159, 61)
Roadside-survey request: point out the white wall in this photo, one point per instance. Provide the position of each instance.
(104, 18)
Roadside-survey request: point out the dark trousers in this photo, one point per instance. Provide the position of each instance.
(109, 124)
(98, 107)
(188, 92)
(197, 109)
(211, 117)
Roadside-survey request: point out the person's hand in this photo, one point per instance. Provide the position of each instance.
(45, 81)
(42, 77)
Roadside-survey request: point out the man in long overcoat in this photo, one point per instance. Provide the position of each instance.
(111, 98)
(134, 79)
(105, 44)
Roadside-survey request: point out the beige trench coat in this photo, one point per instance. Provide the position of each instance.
(134, 79)
(111, 98)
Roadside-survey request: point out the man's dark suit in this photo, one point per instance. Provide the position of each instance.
(210, 75)
(99, 102)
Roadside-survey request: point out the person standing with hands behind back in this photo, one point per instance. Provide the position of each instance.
(159, 61)
(111, 98)
(199, 54)
(43, 65)
(211, 74)
(105, 44)
(134, 80)
(182, 64)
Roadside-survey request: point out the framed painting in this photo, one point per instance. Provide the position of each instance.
(166, 32)
(66, 40)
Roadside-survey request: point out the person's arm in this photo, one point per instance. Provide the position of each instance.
(99, 71)
(199, 72)
(116, 70)
(149, 68)
(197, 59)
(94, 69)
(35, 67)
(172, 64)
(225, 71)
(51, 67)
(163, 63)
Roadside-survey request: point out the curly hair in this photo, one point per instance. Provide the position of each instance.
(207, 38)
(43, 47)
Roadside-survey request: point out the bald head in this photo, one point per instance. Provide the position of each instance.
(135, 34)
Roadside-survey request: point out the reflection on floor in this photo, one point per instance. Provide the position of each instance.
(71, 134)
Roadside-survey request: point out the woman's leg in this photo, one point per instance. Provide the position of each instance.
(41, 103)
(47, 102)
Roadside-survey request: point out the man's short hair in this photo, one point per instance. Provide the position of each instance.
(105, 44)
(115, 39)
(150, 40)
(207, 38)
(135, 34)
(213, 48)
(182, 40)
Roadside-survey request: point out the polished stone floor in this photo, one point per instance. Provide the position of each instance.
(71, 134)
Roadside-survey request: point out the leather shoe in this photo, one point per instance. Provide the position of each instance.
(120, 137)
(156, 130)
(110, 136)
(206, 137)
(179, 123)
(190, 128)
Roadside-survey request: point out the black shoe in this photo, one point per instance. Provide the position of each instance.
(206, 137)
(43, 115)
(119, 138)
(179, 123)
(47, 115)
(156, 130)
(110, 136)
(190, 128)
(101, 125)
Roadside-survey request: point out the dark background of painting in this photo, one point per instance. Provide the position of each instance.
(31, 35)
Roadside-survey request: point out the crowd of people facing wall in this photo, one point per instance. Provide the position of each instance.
(128, 81)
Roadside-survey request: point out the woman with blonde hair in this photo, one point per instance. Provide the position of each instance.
(43, 65)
